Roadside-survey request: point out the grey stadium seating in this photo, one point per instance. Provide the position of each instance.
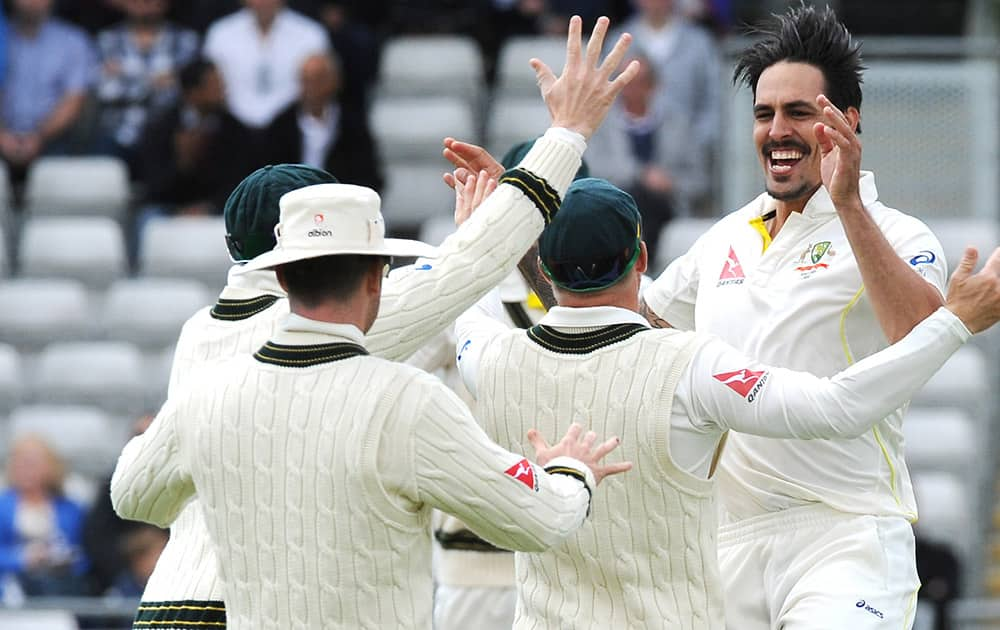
(77, 185)
(108, 374)
(431, 65)
(411, 129)
(39, 311)
(85, 436)
(515, 76)
(89, 249)
(185, 247)
(149, 312)
(11, 378)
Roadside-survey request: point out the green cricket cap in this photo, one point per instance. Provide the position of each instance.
(251, 211)
(593, 241)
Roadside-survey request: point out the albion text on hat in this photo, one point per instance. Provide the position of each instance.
(332, 219)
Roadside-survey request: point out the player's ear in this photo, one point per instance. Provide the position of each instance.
(642, 262)
(280, 272)
(541, 271)
(853, 118)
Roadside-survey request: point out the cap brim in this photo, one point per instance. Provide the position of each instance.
(403, 248)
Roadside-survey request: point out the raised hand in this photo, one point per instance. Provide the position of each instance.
(581, 96)
(840, 149)
(975, 298)
(471, 193)
(468, 158)
(582, 449)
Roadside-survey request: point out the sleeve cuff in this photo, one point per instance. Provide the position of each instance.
(953, 322)
(545, 173)
(576, 469)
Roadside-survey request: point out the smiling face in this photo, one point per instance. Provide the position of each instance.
(785, 111)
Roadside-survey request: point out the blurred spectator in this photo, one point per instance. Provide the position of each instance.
(140, 59)
(323, 133)
(939, 571)
(647, 149)
(357, 46)
(141, 548)
(40, 529)
(51, 65)
(194, 153)
(259, 51)
(687, 62)
(91, 15)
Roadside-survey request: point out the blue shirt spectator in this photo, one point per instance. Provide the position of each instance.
(50, 67)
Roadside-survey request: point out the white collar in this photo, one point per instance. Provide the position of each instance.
(297, 330)
(250, 284)
(590, 316)
(821, 204)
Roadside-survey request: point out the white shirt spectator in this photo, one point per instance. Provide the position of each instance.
(261, 69)
(318, 135)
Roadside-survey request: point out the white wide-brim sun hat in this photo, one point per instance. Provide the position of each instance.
(332, 219)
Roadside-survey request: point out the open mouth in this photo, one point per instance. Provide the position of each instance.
(782, 161)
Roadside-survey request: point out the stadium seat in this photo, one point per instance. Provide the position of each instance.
(412, 129)
(6, 262)
(965, 381)
(89, 249)
(158, 366)
(515, 77)
(77, 185)
(431, 65)
(415, 194)
(85, 436)
(109, 374)
(514, 120)
(676, 238)
(11, 381)
(957, 233)
(946, 506)
(185, 247)
(943, 439)
(39, 311)
(149, 312)
(27, 619)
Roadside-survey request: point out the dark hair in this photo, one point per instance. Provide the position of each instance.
(193, 73)
(315, 280)
(806, 35)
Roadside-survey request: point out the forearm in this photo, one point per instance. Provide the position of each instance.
(418, 301)
(900, 297)
(461, 472)
(788, 404)
(528, 266)
(62, 117)
(148, 483)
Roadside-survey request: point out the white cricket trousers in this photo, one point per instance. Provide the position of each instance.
(815, 568)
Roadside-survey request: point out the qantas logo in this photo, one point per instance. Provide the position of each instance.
(744, 382)
(524, 472)
(732, 271)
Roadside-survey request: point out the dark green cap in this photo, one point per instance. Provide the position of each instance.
(517, 152)
(593, 241)
(251, 211)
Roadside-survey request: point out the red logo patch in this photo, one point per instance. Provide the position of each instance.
(319, 218)
(740, 381)
(732, 271)
(524, 472)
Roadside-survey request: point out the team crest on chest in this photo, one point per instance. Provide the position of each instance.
(814, 257)
(732, 270)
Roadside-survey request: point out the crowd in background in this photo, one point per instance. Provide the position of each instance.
(195, 94)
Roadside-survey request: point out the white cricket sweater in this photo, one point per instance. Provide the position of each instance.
(655, 515)
(317, 481)
(417, 302)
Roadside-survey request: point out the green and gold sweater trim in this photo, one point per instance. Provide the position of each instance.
(582, 343)
(232, 310)
(307, 356)
(544, 196)
(188, 614)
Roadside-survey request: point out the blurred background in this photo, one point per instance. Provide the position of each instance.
(124, 124)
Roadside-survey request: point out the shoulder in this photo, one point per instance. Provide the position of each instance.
(231, 24)
(67, 33)
(302, 24)
(896, 224)
(8, 499)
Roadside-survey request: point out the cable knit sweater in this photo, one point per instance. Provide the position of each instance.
(317, 468)
(417, 302)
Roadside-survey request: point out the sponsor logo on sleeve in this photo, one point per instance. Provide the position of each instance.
(465, 346)
(744, 382)
(423, 267)
(869, 608)
(925, 257)
(524, 472)
(732, 270)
